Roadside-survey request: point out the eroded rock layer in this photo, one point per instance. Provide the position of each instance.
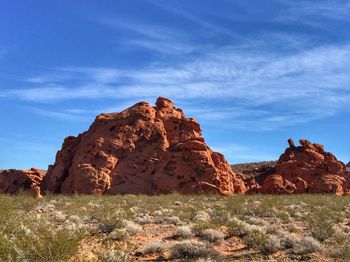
(142, 150)
(13, 181)
(307, 169)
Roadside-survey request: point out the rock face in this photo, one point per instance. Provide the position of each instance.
(142, 150)
(307, 168)
(12, 181)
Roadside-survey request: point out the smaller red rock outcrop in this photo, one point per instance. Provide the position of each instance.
(12, 181)
(307, 169)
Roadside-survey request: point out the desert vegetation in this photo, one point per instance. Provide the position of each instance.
(175, 228)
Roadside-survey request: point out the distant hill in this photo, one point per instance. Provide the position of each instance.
(257, 170)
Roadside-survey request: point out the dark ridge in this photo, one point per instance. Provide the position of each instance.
(257, 170)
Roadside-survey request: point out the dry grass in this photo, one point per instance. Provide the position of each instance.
(175, 227)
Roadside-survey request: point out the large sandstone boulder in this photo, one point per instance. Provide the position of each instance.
(276, 184)
(13, 181)
(142, 150)
(307, 169)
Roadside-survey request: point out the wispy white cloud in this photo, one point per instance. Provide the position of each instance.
(336, 10)
(252, 80)
(255, 118)
(69, 114)
(58, 92)
(202, 22)
(50, 78)
(149, 31)
(300, 87)
(74, 73)
(318, 13)
(156, 38)
(237, 153)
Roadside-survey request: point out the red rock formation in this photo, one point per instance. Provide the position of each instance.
(308, 168)
(142, 150)
(12, 181)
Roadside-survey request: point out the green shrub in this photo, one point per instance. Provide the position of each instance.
(193, 249)
(109, 224)
(321, 222)
(114, 255)
(47, 245)
(212, 235)
(199, 227)
(154, 247)
(184, 232)
(118, 235)
(341, 253)
(5, 248)
(256, 239)
(236, 228)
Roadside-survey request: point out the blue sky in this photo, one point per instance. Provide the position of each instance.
(253, 73)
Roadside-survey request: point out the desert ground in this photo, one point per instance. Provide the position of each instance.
(175, 228)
